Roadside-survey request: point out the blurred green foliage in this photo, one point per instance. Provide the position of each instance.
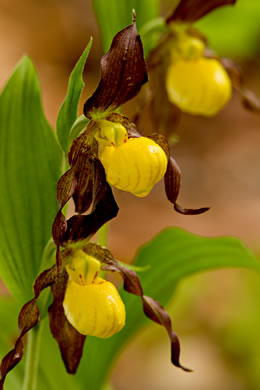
(234, 31)
(239, 337)
(114, 15)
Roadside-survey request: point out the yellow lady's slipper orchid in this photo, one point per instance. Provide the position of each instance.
(91, 304)
(131, 164)
(200, 86)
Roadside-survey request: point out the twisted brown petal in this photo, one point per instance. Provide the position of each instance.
(27, 319)
(172, 181)
(151, 307)
(65, 189)
(84, 172)
(104, 208)
(158, 314)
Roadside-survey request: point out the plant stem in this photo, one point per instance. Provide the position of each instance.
(32, 357)
(103, 235)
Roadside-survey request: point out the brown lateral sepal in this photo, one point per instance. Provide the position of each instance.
(70, 341)
(152, 309)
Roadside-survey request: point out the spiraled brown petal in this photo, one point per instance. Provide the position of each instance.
(45, 279)
(158, 314)
(59, 228)
(84, 144)
(80, 227)
(151, 307)
(192, 10)
(84, 171)
(27, 319)
(77, 182)
(70, 341)
(66, 187)
(123, 72)
(10, 361)
(132, 282)
(28, 316)
(172, 181)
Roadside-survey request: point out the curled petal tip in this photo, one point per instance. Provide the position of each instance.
(185, 368)
(185, 211)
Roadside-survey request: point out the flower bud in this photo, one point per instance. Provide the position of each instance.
(200, 86)
(95, 309)
(134, 166)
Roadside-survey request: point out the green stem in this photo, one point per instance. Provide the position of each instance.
(32, 358)
(103, 235)
(108, 386)
(154, 25)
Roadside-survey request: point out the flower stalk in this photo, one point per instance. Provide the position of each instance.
(32, 357)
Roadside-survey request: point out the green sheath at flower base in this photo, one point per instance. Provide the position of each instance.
(92, 305)
(132, 164)
(83, 269)
(200, 86)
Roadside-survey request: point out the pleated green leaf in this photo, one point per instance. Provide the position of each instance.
(172, 255)
(30, 165)
(114, 15)
(69, 110)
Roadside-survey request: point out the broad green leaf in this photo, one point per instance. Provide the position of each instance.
(172, 255)
(69, 110)
(114, 15)
(30, 166)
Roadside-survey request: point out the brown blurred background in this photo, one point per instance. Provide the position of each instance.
(220, 162)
